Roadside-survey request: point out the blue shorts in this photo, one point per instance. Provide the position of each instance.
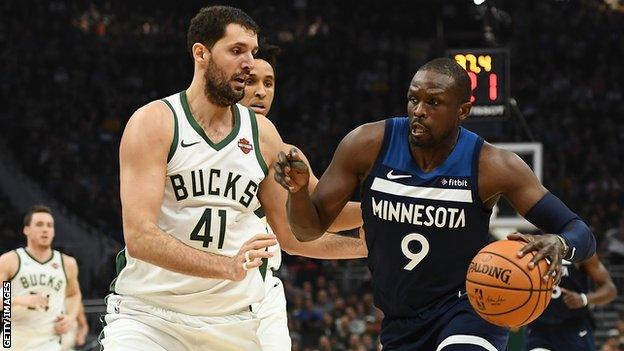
(559, 338)
(449, 325)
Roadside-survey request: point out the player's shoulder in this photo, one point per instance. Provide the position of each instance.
(9, 264)
(70, 264)
(150, 126)
(9, 256)
(495, 158)
(152, 114)
(270, 139)
(366, 135)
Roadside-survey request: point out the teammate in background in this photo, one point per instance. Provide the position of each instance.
(194, 168)
(565, 325)
(273, 331)
(44, 286)
(428, 186)
(77, 334)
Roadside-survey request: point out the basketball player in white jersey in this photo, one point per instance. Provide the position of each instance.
(193, 169)
(45, 294)
(273, 331)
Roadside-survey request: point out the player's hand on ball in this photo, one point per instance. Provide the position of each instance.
(36, 301)
(572, 299)
(62, 324)
(291, 172)
(548, 246)
(250, 255)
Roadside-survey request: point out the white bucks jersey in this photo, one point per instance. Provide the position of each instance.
(209, 202)
(47, 278)
(275, 261)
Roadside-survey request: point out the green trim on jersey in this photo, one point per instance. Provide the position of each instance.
(36, 260)
(189, 116)
(260, 212)
(120, 263)
(63, 265)
(174, 142)
(256, 141)
(19, 265)
(263, 268)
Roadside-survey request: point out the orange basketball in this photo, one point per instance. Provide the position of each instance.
(502, 289)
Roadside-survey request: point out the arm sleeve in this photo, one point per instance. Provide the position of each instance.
(551, 215)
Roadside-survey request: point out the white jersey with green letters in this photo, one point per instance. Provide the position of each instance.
(47, 278)
(209, 202)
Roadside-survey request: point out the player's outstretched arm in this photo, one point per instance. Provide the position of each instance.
(273, 198)
(351, 215)
(503, 173)
(73, 297)
(143, 164)
(310, 215)
(604, 293)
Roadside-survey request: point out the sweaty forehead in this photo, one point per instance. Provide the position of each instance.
(431, 81)
(237, 34)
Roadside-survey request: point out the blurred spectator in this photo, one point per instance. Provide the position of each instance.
(615, 243)
(613, 341)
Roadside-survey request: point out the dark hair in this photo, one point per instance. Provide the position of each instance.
(269, 53)
(208, 26)
(452, 69)
(33, 210)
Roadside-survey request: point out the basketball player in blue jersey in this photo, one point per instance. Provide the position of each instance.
(273, 331)
(427, 189)
(565, 325)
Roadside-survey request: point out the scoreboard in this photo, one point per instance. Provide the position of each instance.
(489, 80)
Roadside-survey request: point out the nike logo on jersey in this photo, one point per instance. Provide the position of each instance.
(582, 333)
(187, 145)
(397, 176)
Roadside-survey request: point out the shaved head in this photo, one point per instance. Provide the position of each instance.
(450, 68)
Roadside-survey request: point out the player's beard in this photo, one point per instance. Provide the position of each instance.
(217, 87)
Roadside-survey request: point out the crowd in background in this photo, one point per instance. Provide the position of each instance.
(74, 71)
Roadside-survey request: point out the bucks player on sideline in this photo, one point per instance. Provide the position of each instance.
(273, 331)
(193, 170)
(44, 286)
(566, 323)
(428, 186)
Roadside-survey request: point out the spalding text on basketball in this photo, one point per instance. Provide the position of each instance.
(495, 272)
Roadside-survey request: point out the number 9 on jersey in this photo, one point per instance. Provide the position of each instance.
(414, 257)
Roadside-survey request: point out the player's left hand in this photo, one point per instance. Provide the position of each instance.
(572, 299)
(62, 324)
(548, 246)
(291, 172)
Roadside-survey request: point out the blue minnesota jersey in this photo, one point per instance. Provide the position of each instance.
(557, 313)
(422, 229)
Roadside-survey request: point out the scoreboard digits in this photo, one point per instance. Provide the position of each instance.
(488, 70)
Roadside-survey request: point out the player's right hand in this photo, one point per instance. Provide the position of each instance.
(256, 247)
(36, 301)
(291, 172)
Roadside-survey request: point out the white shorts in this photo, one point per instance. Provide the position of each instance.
(132, 325)
(33, 340)
(273, 331)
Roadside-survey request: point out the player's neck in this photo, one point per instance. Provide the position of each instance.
(430, 157)
(205, 111)
(41, 253)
